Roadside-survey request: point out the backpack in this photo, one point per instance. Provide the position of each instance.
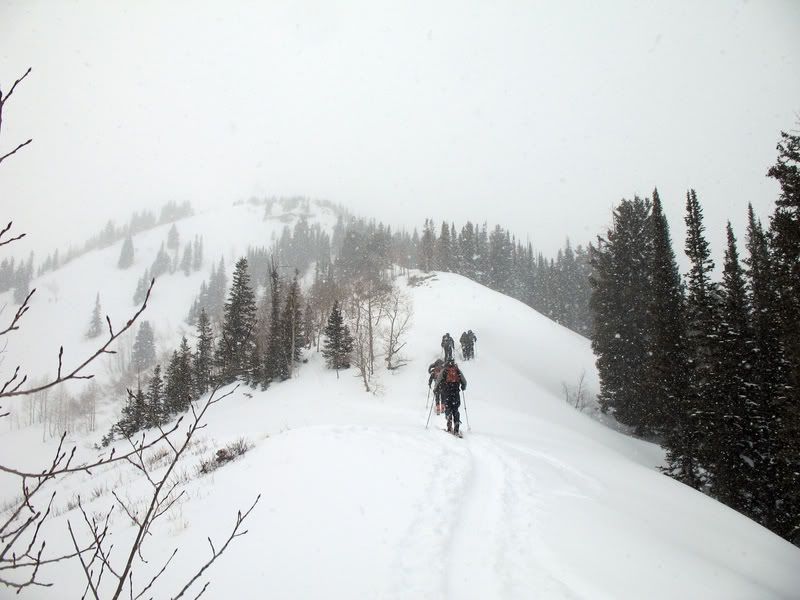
(452, 375)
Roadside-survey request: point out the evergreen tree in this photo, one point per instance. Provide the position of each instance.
(180, 386)
(768, 372)
(483, 269)
(785, 255)
(275, 360)
(668, 359)
(621, 288)
(702, 335)
(144, 349)
(173, 239)
(155, 411)
(132, 418)
(141, 288)
(171, 385)
(22, 281)
(500, 260)
(186, 262)
(162, 264)
(731, 442)
(237, 339)
(338, 345)
(427, 247)
(203, 355)
(126, 253)
(217, 287)
(467, 251)
(96, 322)
(444, 252)
(197, 253)
(292, 323)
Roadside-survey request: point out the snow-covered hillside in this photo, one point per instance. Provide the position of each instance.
(360, 500)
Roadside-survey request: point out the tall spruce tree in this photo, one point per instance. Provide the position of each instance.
(96, 321)
(292, 323)
(204, 354)
(621, 287)
(731, 442)
(142, 286)
(155, 411)
(702, 305)
(238, 326)
(443, 260)
(143, 355)
(427, 248)
(668, 359)
(768, 373)
(126, 253)
(186, 261)
(172, 385)
(785, 252)
(275, 363)
(338, 345)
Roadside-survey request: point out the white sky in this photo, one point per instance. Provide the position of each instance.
(536, 115)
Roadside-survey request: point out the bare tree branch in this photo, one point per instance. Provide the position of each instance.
(3, 100)
(215, 555)
(8, 241)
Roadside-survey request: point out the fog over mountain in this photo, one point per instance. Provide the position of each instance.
(541, 115)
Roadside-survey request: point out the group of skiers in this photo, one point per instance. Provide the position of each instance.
(467, 340)
(448, 380)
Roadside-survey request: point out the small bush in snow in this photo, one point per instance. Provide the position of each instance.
(224, 455)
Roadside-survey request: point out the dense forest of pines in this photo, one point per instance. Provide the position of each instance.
(709, 368)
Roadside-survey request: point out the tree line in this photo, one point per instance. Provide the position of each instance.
(711, 369)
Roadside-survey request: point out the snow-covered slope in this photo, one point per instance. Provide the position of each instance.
(64, 299)
(359, 500)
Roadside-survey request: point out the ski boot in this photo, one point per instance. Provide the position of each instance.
(449, 424)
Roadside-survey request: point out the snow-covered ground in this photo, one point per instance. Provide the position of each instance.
(360, 500)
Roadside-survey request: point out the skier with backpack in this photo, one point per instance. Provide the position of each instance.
(447, 345)
(464, 341)
(450, 381)
(471, 339)
(433, 370)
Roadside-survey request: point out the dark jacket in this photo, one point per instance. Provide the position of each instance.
(447, 342)
(434, 369)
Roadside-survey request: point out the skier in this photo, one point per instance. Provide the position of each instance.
(464, 341)
(449, 381)
(447, 346)
(472, 338)
(434, 369)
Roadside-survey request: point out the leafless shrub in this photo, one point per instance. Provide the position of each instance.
(576, 395)
(224, 455)
(156, 456)
(398, 316)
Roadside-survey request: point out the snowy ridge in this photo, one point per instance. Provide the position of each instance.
(361, 501)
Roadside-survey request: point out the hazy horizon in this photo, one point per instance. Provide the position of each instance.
(536, 116)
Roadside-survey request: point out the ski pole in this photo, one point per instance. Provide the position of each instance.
(428, 397)
(429, 416)
(466, 414)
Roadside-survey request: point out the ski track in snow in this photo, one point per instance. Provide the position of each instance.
(490, 552)
(473, 529)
